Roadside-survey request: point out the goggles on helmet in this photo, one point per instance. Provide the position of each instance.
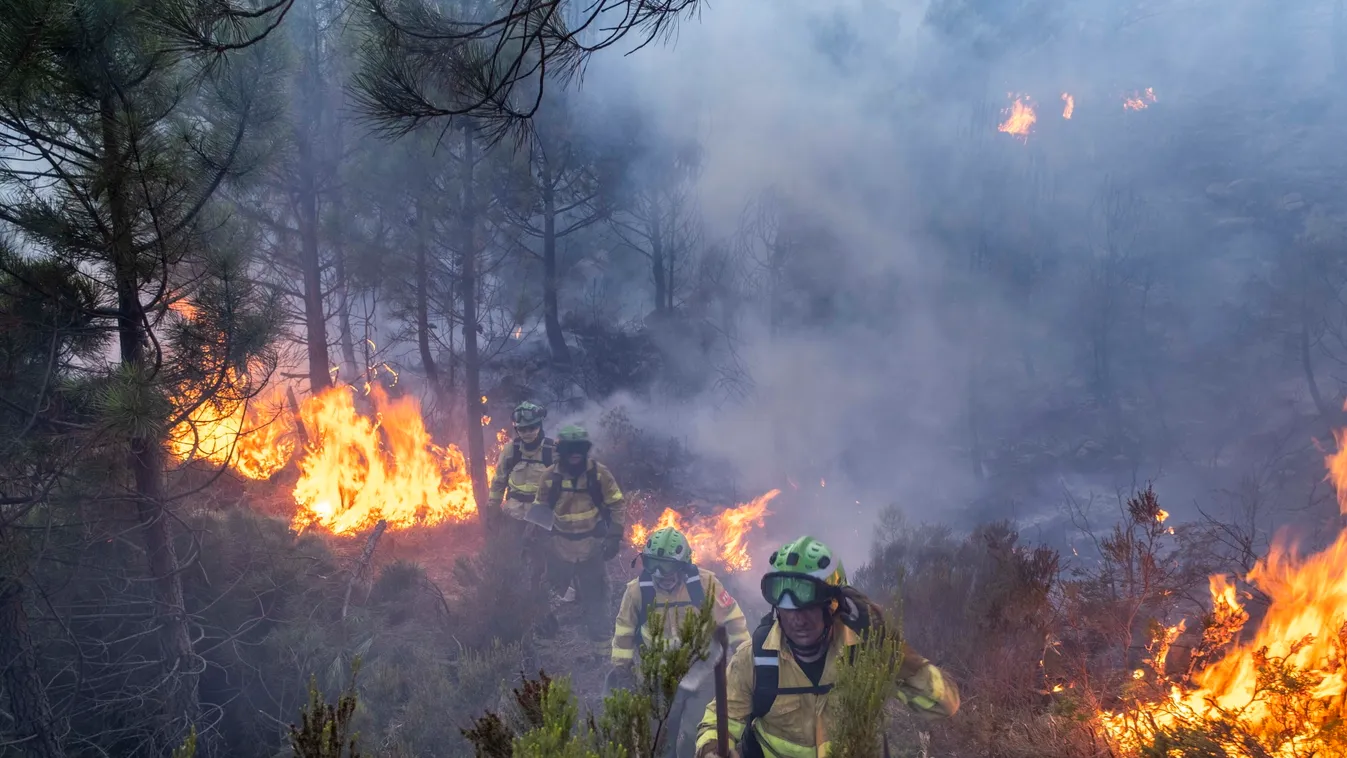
(527, 427)
(660, 566)
(793, 591)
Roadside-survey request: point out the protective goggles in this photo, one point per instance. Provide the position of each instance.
(527, 427)
(661, 566)
(792, 591)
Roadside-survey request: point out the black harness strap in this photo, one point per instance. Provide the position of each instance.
(517, 454)
(595, 492)
(767, 678)
(696, 594)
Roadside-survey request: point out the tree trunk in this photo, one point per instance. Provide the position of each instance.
(657, 264)
(315, 321)
(471, 368)
(351, 368)
(423, 300)
(34, 726)
(556, 341)
(147, 458)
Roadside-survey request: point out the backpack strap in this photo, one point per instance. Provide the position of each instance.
(549, 449)
(554, 490)
(766, 672)
(696, 594)
(767, 676)
(516, 455)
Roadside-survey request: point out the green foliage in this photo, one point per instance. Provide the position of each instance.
(865, 684)
(188, 748)
(327, 730)
(632, 724)
(561, 734)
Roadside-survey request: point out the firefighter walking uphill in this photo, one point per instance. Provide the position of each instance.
(522, 462)
(587, 518)
(778, 684)
(672, 584)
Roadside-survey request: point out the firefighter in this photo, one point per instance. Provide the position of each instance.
(672, 584)
(522, 462)
(589, 517)
(778, 683)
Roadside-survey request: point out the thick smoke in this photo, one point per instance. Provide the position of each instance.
(973, 278)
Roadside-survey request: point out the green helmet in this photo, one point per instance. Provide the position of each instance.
(528, 414)
(573, 433)
(804, 574)
(669, 544)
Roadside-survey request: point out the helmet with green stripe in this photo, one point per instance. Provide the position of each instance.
(804, 574)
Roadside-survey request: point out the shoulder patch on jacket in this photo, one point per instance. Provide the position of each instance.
(724, 599)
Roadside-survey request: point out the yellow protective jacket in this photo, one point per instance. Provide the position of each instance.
(521, 479)
(796, 727)
(578, 532)
(679, 604)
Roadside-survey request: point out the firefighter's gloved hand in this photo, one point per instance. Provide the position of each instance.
(857, 611)
(612, 545)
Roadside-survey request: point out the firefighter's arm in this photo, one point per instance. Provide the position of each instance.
(728, 613)
(624, 631)
(501, 478)
(738, 702)
(612, 498)
(925, 688)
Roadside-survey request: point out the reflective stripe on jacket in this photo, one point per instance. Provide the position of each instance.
(575, 537)
(679, 604)
(521, 481)
(795, 726)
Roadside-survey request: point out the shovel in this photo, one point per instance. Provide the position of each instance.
(692, 681)
(540, 514)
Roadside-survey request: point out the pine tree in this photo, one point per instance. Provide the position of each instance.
(120, 120)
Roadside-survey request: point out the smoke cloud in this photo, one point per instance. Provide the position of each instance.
(1008, 319)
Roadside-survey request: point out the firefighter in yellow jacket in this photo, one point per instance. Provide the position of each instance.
(522, 462)
(670, 580)
(589, 517)
(673, 585)
(778, 684)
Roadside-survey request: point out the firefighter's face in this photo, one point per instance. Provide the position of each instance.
(529, 434)
(575, 459)
(803, 626)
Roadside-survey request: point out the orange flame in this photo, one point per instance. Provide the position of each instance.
(256, 438)
(1139, 100)
(1070, 106)
(719, 540)
(1303, 632)
(1020, 119)
(356, 470)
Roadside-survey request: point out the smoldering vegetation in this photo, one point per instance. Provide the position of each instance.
(1033, 311)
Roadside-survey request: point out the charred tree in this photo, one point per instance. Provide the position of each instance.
(472, 368)
(146, 458)
(422, 287)
(34, 724)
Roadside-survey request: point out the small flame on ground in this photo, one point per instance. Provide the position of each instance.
(1139, 100)
(1069, 107)
(719, 539)
(1020, 119)
(519, 332)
